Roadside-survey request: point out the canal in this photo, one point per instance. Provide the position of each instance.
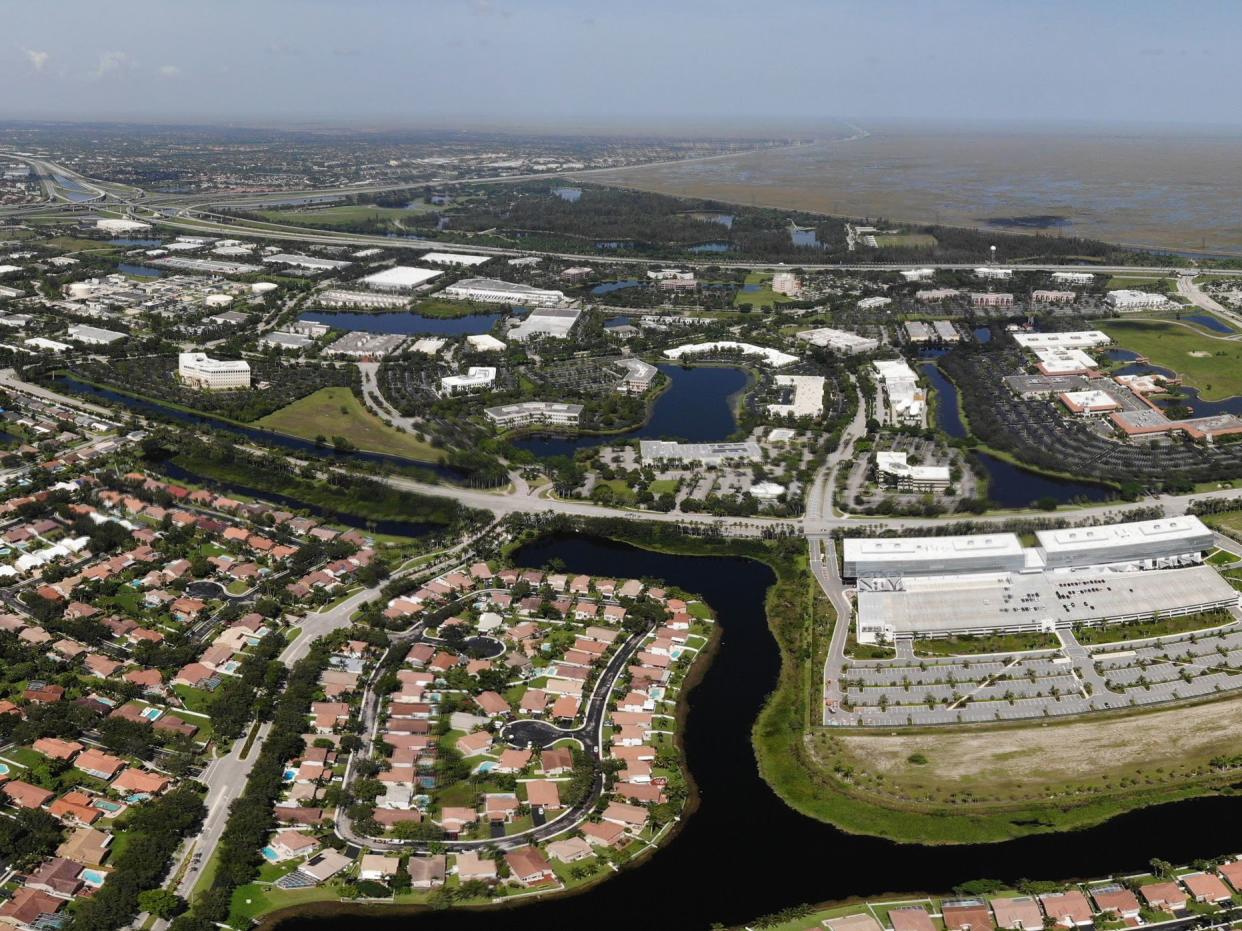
(744, 853)
(71, 385)
(395, 528)
(697, 407)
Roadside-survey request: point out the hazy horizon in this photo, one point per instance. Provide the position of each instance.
(793, 67)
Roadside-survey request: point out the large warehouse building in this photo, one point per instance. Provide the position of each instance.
(494, 291)
(990, 583)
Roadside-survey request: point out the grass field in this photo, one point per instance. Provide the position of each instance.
(1138, 283)
(907, 241)
(1159, 627)
(333, 412)
(347, 215)
(762, 295)
(1214, 366)
(1228, 522)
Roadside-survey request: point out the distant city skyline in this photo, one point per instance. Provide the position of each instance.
(730, 66)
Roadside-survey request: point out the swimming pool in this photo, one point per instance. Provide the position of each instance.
(137, 797)
(486, 766)
(151, 714)
(656, 692)
(93, 877)
(290, 775)
(676, 652)
(104, 805)
(270, 854)
(4, 769)
(231, 666)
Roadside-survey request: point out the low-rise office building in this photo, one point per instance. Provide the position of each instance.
(477, 377)
(842, 341)
(1126, 299)
(201, 371)
(895, 467)
(93, 336)
(525, 413)
(400, 278)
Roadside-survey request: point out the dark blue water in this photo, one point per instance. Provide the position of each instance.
(801, 237)
(1200, 408)
(609, 286)
(1210, 322)
(403, 321)
(396, 528)
(948, 417)
(616, 322)
(711, 247)
(615, 244)
(296, 444)
(696, 407)
(571, 194)
(983, 334)
(1010, 486)
(140, 271)
(737, 806)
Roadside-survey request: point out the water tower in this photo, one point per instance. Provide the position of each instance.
(992, 254)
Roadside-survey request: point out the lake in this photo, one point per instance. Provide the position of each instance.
(696, 407)
(1210, 322)
(570, 194)
(708, 247)
(1009, 486)
(688, 881)
(803, 237)
(404, 322)
(608, 287)
(140, 271)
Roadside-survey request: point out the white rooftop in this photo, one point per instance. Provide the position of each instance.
(400, 276)
(1074, 339)
(1163, 530)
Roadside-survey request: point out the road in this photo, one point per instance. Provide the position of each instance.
(225, 777)
(590, 733)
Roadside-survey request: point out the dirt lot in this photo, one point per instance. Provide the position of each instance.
(1025, 757)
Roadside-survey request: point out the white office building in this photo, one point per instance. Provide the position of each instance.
(907, 402)
(902, 556)
(1072, 339)
(993, 273)
(1145, 544)
(842, 341)
(918, 274)
(806, 396)
(477, 378)
(773, 357)
(454, 258)
(201, 371)
(786, 283)
(525, 413)
(484, 342)
(874, 303)
(494, 291)
(1126, 299)
(1073, 277)
(894, 467)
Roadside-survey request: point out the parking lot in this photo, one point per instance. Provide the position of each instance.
(1074, 679)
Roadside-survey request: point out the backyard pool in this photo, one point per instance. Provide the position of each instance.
(151, 714)
(4, 769)
(93, 877)
(137, 797)
(486, 766)
(110, 807)
(290, 775)
(270, 855)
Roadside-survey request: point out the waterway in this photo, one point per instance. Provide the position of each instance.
(744, 853)
(608, 287)
(1009, 486)
(71, 385)
(1188, 395)
(570, 194)
(1210, 322)
(396, 528)
(404, 322)
(707, 247)
(696, 407)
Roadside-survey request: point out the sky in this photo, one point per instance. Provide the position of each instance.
(739, 66)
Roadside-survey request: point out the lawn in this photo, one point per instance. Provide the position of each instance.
(760, 293)
(331, 412)
(1229, 522)
(906, 241)
(664, 486)
(1148, 283)
(1214, 366)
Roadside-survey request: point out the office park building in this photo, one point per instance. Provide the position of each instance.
(991, 584)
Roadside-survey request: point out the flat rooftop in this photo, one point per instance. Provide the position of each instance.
(940, 604)
(903, 549)
(1187, 528)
